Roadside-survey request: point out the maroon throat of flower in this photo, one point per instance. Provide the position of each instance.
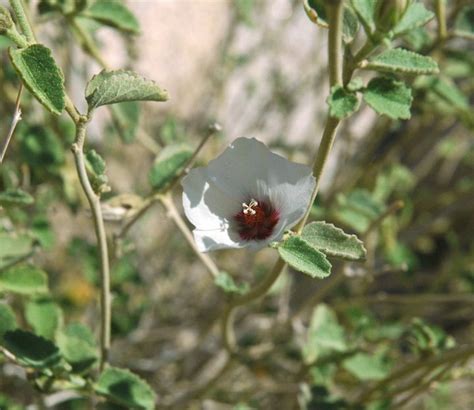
(256, 220)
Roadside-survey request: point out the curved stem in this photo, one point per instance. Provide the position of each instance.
(21, 15)
(94, 203)
(228, 335)
(335, 14)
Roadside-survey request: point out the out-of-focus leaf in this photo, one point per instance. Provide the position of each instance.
(126, 117)
(125, 388)
(325, 334)
(44, 316)
(367, 367)
(464, 24)
(13, 247)
(41, 75)
(15, 197)
(168, 164)
(78, 346)
(114, 14)
(7, 319)
(227, 283)
(110, 87)
(415, 16)
(365, 10)
(30, 349)
(24, 280)
(389, 97)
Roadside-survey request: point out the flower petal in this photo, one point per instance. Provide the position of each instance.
(205, 205)
(211, 240)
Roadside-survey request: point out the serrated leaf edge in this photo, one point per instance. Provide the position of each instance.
(328, 252)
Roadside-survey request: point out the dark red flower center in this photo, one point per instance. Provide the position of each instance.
(256, 220)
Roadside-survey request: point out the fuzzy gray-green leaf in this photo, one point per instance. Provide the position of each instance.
(110, 87)
(464, 25)
(403, 61)
(415, 16)
(342, 103)
(41, 75)
(15, 197)
(113, 14)
(333, 241)
(44, 316)
(365, 10)
(125, 388)
(7, 319)
(389, 97)
(303, 257)
(30, 349)
(168, 164)
(24, 280)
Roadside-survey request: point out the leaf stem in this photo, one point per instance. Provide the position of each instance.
(94, 203)
(21, 15)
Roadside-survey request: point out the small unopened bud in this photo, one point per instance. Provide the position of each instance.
(6, 21)
(389, 12)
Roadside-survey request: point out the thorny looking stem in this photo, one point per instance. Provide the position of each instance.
(94, 202)
(16, 119)
(93, 199)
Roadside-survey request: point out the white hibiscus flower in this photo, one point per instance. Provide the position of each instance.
(246, 197)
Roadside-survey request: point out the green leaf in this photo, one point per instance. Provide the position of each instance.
(126, 117)
(126, 388)
(357, 209)
(168, 164)
(367, 367)
(342, 103)
(333, 241)
(15, 197)
(110, 87)
(350, 25)
(13, 247)
(300, 255)
(78, 346)
(44, 316)
(24, 280)
(316, 11)
(365, 10)
(113, 14)
(464, 24)
(403, 61)
(448, 91)
(31, 350)
(389, 97)
(41, 75)
(415, 16)
(325, 334)
(244, 9)
(96, 162)
(7, 319)
(227, 283)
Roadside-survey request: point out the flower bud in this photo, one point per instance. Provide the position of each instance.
(389, 12)
(6, 21)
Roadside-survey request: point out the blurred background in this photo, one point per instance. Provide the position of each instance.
(259, 69)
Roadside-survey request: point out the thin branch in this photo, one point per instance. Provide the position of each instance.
(21, 15)
(173, 213)
(16, 119)
(94, 202)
